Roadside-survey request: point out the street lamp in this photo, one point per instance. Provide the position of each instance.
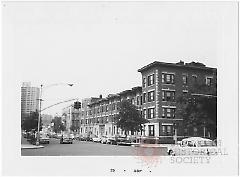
(40, 107)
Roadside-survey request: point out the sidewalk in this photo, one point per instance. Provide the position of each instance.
(154, 145)
(26, 145)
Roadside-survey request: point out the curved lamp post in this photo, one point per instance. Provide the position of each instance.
(40, 106)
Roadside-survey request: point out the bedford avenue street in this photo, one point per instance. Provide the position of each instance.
(83, 148)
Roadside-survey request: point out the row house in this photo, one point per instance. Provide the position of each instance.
(162, 84)
(99, 116)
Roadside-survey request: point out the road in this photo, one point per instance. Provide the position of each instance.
(82, 148)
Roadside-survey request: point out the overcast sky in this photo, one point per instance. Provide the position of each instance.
(99, 46)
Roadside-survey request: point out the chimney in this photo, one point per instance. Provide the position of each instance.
(180, 62)
(100, 96)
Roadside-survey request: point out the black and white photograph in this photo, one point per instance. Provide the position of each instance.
(120, 88)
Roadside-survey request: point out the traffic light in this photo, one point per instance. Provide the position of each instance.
(77, 105)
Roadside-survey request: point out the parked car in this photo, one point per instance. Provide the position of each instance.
(44, 139)
(72, 136)
(96, 139)
(193, 146)
(59, 135)
(77, 137)
(66, 139)
(113, 140)
(52, 135)
(104, 140)
(24, 133)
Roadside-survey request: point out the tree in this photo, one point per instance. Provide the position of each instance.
(74, 127)
(58, 125)
(30, 122)
(129, 118)
(198, 108)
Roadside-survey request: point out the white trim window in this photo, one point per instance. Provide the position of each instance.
(144, 113)
(168, 113)
(168, 95)
(151, 96)
(209, 81)
(151, 79)
(151, 113)
(168, 78)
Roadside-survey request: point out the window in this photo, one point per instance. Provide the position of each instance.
(107, 108)
(113, 106)
(168, 112)
(151, 96)
(164, 129)
(194, 77)
(138, 100)
(167, 78)
(151, 80)
(144, 113)
(208, 81)
(195, 131)
(184, 79)
(151, 112)
(151, 130)
(169, 130)
(144, 97)
(133, 101)
(141, 100)
(168, 95)
(144, 82)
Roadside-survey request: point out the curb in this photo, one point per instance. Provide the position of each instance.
(31, 147)
(149, 146)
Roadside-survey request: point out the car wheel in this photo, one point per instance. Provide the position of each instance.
(170, 152)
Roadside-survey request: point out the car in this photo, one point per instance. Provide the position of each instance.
(112, 140)
(72, 136)
(77, 137)
(59, 135)
(52, 135)
(104, 140)
(44, 139)
(193, 146)
(24, 133)
(66, 139)
(96, 139)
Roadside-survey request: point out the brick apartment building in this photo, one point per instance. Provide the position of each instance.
(98, 115)
(162, 84)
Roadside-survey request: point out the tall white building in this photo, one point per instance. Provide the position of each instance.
(29, 98)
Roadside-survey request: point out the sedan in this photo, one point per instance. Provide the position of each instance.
(96, 139)
(104, 140)
(66, 139)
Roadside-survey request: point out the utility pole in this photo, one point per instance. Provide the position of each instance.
(39, 115)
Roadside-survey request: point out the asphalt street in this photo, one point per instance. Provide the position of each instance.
(82, 148)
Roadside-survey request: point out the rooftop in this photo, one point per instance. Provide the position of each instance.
(193, 65)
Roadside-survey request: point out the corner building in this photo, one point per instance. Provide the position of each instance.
(162, 84)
